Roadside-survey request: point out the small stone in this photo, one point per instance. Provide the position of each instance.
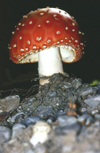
(31, 120)
(86, 91)
(52, 94)
(97, 116)
(50, 119)
(13, 146)
(67, 149)
(89, 120)
(40, 148)
(95, 111)
(16, 118)
(44, 110)
(18, 126)
(28, 147)
(28, 104)
(86, 119)
(83, 110)
(9, 103)
(31, 100)
(72, 97)
(66, 120)
(5, 134)
(58, 113)
(83, 117)
(93, 101)
(98, 86)
(16, 129)
(68, 129)
(77, 83)
(67, 85)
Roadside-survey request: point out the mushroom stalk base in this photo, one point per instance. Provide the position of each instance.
(49, 63)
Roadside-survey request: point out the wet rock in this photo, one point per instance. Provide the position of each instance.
(93, 101)
(9, 103)
(86, 91)
(13, 146)
(44, 110)
(95, 111)
(28, 148)
(5, 134)
(58, 113)
(21, 133)
(98, 88)
(40, 149)
(66, 85)
(28, 104)
(83, 110)
(31, 120)
(16, 129)
(18, 117)
(66, 120)
(76, 83)
(75, 128)
(86, 119)
(51, 119)
(52, 94)
(72, 97)
(97, 116)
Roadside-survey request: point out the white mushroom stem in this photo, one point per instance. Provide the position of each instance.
(49, 63)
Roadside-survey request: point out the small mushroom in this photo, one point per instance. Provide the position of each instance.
(40, 133)
(47, 36)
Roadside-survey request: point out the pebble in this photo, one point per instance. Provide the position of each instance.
(83, 110)
(9, 103)
(89, 120)
(40, 149)
(5, 134)
(68, 129)
(16, 129)
(58, 113)
(50, 118)
(31, 120)
(97, 116)
(67, 85)
(44, 110)
(76, 83)
(93, 101)
(28, 104)
(28, 148)
(66, 120)
(98, 90)
(52, 94)
(67, 149)
(95, 111)
(86, 91)
(85, 118)
(13, 146)
(16, 117)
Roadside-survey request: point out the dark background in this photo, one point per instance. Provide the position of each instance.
(86, 13)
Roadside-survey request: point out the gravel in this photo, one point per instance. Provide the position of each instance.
(43, 118)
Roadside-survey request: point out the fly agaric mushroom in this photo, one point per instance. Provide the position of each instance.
(48, 36)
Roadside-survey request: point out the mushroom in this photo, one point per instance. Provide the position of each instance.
(47, 36)
(40, 133)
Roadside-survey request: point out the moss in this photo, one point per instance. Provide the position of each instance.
(94, 82)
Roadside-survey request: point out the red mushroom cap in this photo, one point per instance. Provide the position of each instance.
(41, 29)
